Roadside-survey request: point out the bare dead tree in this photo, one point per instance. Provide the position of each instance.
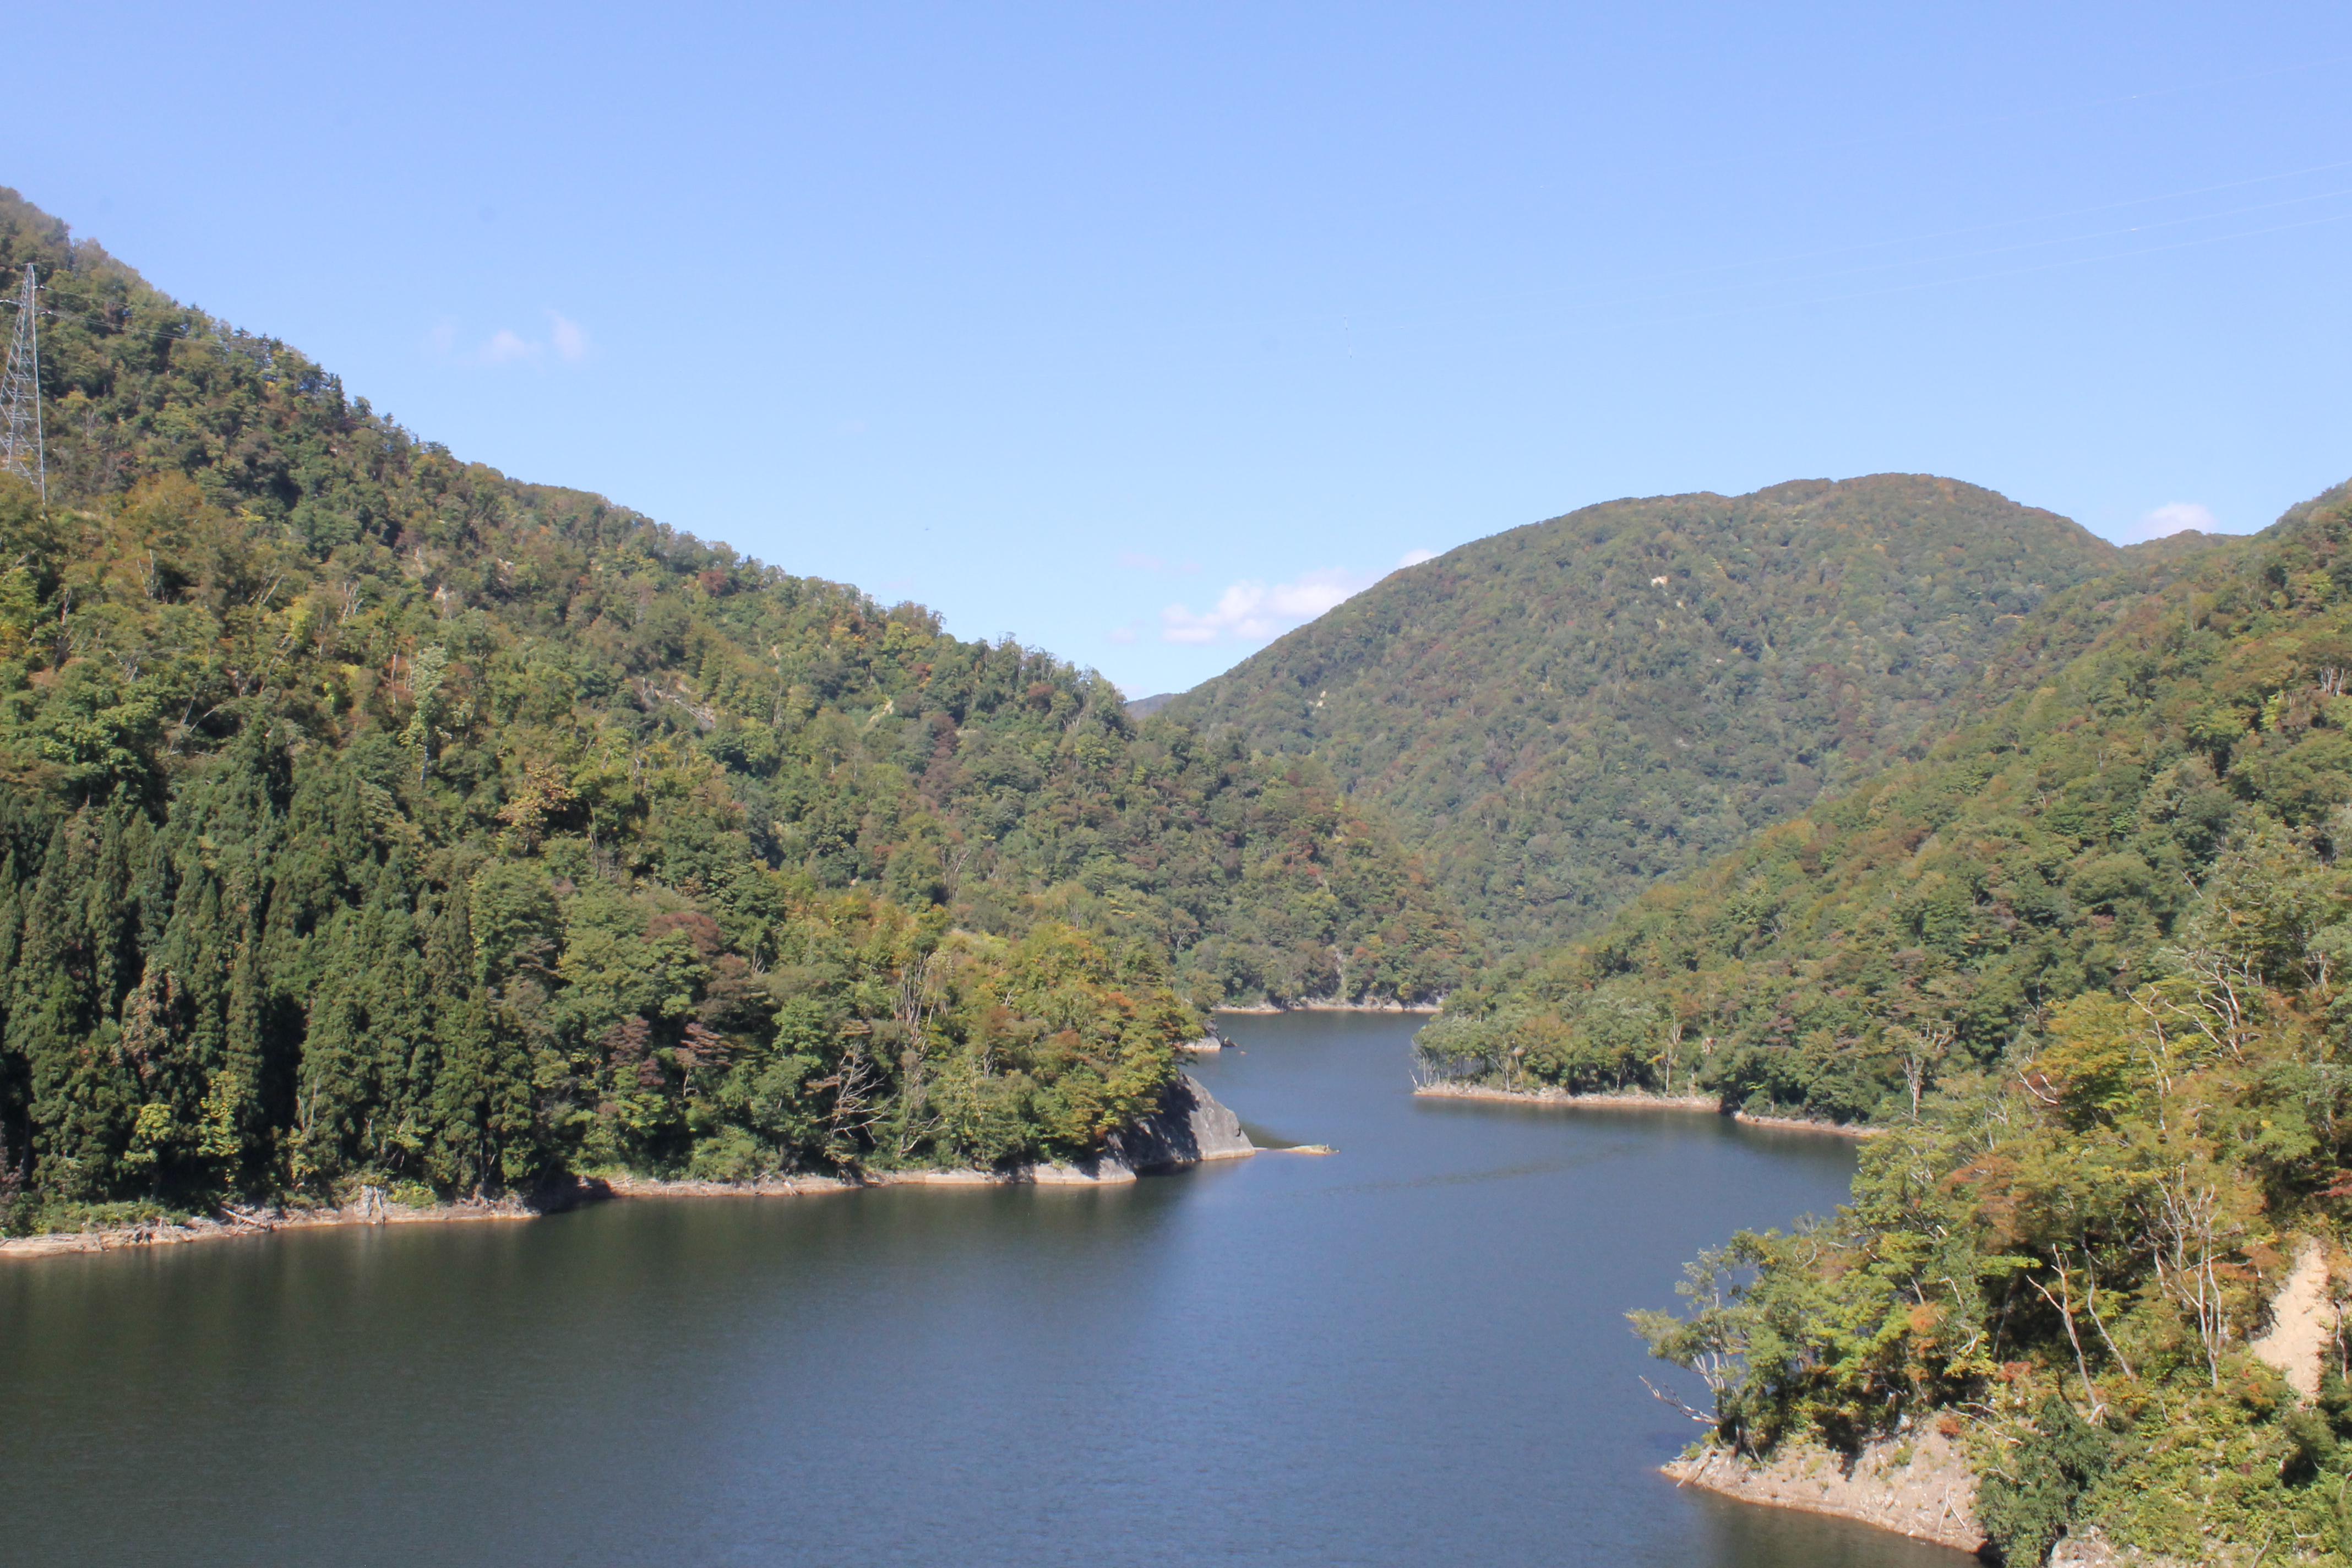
(852, 1084)
(2224, 997)
(2091, 1305)
(1671, 1058)
(1921, 1051)
(2156, 1046)
(915, 1007)
(2064, 1302)
(2192, 1235)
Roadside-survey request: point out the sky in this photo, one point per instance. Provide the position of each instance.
(1143, 332)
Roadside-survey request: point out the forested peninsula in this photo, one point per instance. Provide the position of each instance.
(369, 818)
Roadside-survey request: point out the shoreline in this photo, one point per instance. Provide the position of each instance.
(1918, 1485)
(265, 1222)
(1271, 1010)
(1186, 1127)
(1633, 1100)
(1107, 1172)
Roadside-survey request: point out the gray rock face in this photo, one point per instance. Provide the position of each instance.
(1188, 1127)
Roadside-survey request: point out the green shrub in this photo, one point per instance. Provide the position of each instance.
(2026, 1507)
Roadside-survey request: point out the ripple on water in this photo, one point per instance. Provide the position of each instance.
(1426, 1363)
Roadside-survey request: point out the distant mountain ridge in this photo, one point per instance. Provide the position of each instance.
(1559, 715)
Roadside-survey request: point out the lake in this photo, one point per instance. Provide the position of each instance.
(1412, 1351)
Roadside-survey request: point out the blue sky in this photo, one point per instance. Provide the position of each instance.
(1142, 331)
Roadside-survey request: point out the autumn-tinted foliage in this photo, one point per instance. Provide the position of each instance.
(2051, 846)
(368, 814)
(2086, 964)
(1559, 715)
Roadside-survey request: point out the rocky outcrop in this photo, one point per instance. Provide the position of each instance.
(1917, 1485)
(1188, 1127)
(1208, 1044)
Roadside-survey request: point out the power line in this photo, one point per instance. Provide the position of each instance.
(23, 452)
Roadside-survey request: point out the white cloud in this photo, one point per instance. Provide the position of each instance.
(569, 338)
(506, 348)
(2170, 518)
(1414, 558)
(1255, 612)
(1122, 635)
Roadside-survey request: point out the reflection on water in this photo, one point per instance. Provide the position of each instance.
(1411, 1352)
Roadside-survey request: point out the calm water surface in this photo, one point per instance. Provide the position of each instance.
(1411, 1353)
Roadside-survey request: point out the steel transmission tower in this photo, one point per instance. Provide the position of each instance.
(22, 450)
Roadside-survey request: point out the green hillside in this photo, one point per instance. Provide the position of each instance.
(2051, 845)
(2085, 962)
(367, 815)
(1558, 716)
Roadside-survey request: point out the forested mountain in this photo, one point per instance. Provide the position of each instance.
(1558, 716)
(2051, 845)
(365, 813)
(2085, 960)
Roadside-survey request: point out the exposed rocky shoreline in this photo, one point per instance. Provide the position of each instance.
(1917, 1485)
(1267, 1009)
(236, 1222)
(1637, 1100)
(1188, 1128)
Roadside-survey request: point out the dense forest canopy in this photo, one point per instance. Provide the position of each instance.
(2085, 962)
(1558, 716)
(2050, 845)
(368, 814)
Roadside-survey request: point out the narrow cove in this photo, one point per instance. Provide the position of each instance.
(1412, 1351)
